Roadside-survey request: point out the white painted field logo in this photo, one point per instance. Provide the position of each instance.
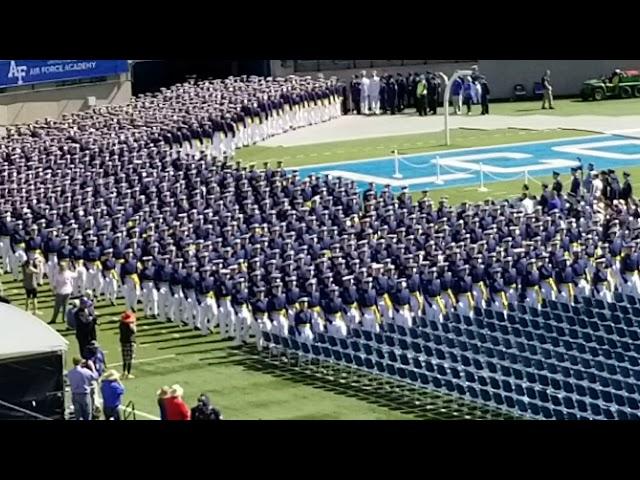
(17, 72)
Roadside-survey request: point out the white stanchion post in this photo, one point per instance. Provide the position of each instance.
(526, 177)
(482, 187)
(397, 162)
(438, 179)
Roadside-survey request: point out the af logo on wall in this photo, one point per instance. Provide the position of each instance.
(18, 72)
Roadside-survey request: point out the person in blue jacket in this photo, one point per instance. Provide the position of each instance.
(112, 392)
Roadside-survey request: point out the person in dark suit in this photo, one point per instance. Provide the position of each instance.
(402, 92)
(355, 94)
(484, 97)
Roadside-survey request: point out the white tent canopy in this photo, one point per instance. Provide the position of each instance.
(22, 334)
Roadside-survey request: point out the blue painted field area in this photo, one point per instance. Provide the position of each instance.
(499, 163)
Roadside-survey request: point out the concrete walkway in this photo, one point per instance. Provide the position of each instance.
(353, 127)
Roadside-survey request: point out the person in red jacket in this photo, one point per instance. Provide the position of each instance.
(174, 405)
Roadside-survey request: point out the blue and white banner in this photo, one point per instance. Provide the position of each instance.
(26, 72)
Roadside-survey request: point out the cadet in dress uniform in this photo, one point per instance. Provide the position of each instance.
(130, 280)
(566, 281)
(478, 277)
(497, 295)
(401, 304)
(435, 307)
(531, 285)
(261, 316)
(149, 291)
(303, 320)
(111, 280)
(243, 316)
(349, 295)
(207, 313)
(162, 279)
(226, 313)
(462, 287)
(371, 318)
(277, 308)
(629, 282)
(333, 310)
(548, 286)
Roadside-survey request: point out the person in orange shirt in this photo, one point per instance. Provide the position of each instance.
(175, 407)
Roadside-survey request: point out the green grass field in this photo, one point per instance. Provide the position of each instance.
(242, 383)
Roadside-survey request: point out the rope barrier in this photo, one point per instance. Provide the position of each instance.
(504, 179)
(413, 164)
(467, 172)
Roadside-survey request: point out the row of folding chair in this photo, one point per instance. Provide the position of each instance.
(442, 377)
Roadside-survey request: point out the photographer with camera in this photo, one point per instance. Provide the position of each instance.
(81, 379)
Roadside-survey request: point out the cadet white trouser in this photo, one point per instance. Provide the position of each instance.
(354, 317)
(217, 145)
(375, 103)
(279, 324)
(189, 306)
(131, 292)
(402, 316)
(318, 323)
(226, 317)
(417, 303)
(602, 292)
(110, 285)
(632, 285)
(5, 254)
(52, 267)
(175, 305)
(583, 288)
(364, 104)
(566, 292)
(17, 258)
(385, 308)
(207, 314)
(80, 282)
(497, 304)
(244, 319)
(548, 292)
(512, 294)
(261, 324)
(337, 328)
(94, 279)
(478, 295)
(304, 334)
(41, 267)
(370, 320)
(533, 297)
(149, 298)
(164, 301)
(433, 310)
(465, 304)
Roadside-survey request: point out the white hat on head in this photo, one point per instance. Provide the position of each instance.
(176, 391)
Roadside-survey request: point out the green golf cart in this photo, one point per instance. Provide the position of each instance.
(620, 84)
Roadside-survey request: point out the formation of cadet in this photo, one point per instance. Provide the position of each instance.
(371, 94)
(196, 238)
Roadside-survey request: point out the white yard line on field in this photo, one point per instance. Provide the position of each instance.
(151, 359)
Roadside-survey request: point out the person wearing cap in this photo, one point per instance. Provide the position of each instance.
(434, 307)
(302, 321)
(204, 410)
(149, 291)
(112, 392)
(530, 281)
(626, 192)
(548, 286)
(63, 281)
(190, 280)
(368, 301)
(77, 257)
(478, 279)
(17, 255)
(602, 281)
(497, 296)
(318, 321)
(130, 280)
(6, 231)
(226, 313)
(161, 280)
(462, 288)
(557, 183)
(175, 407)
(207, 310)
(401, 299)
(277, 308)
(579, 266)
(94, 278)
(85, 321)
(292, 293)
(333, 308)
(81, 378)
(566, 281)
(50, 248)
(382, 288)
(259, 308)
(30, 272)
(629, 283)
(349, 297)
(243, 317)
(175, 290)
(127, 333)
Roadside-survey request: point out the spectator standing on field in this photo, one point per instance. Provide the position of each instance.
(162, 395)
(484, 96)
(467, 94)
(81, 378)
(421, 96)
(30, 273)
(112, 392)
(175, 406)
(63, 280)
(456, 90)
(547, 94)
(127, 342)
(85, 325)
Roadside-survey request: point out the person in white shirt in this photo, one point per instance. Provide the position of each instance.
(62, 287)
(527, 204)
(364, 94)
(374, 93)
(596, 187)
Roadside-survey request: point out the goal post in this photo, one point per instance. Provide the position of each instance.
(447, 94)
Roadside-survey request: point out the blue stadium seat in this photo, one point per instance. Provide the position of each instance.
(392, 357)
(358, 360)
(546, 413)
(624, 371)
(506, 385)
(465, 360)
(426, 336)
(437, 339)
(422, 322)
(461, 345)
(482, 380)
(414, 333)
(481, 337)
(347, 357)
(469, 376)
(448, 385)
(367, 336)
(343, 344)
(326, 352)
(416, 348)
(413, 376)
(427, 350)
(379, 353)
(521, 406)
(424, 379)
(390, 370)
(428, 366)
(631, 300)
(449, 343)
(595, 410)
(402, 374)
(356, 333)
(582, 406)
(390, 341)
(485, 395)
(403, 344)
(402, 331)
(369, 364)
(367, 348)
(378, 338)
(380, 367)
(390, 328)
(624, 310)
(618, 297)
(439, 354)
(436, 381)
